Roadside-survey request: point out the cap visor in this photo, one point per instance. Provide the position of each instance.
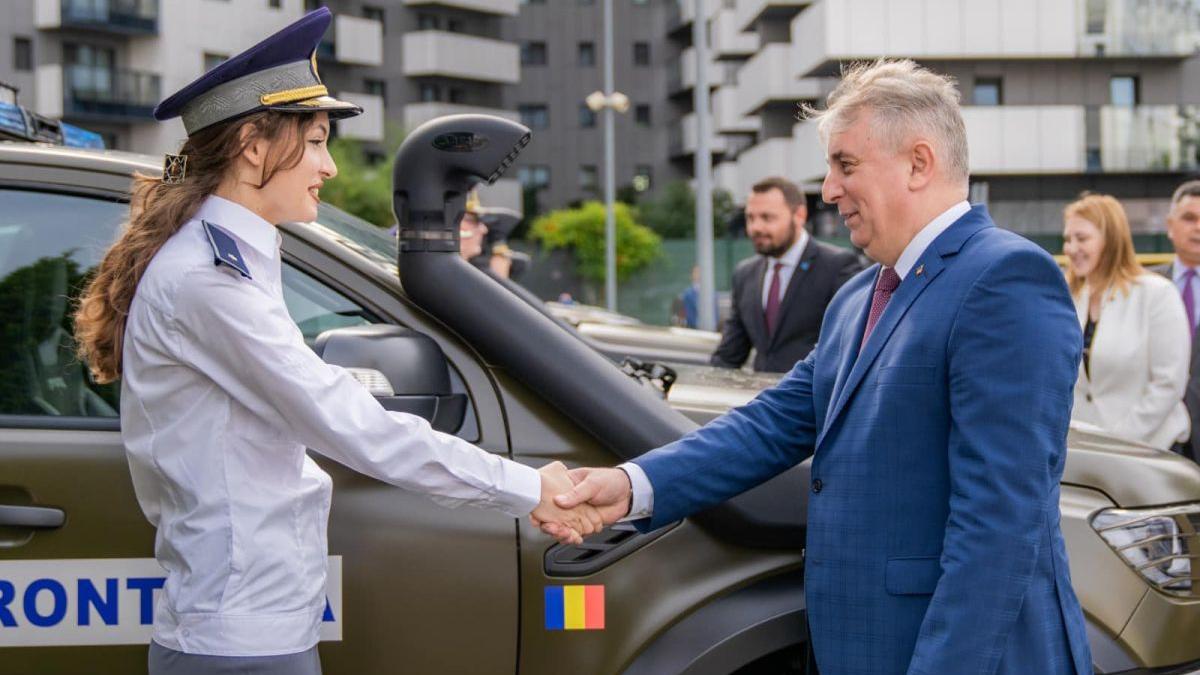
(336, 109)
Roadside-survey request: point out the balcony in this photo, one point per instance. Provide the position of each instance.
(416, 114)
(728, 40)
(772, 157)
(832, 31)
(770, 76)
(120, 17)
(497, 7)
(727, 113)
(369, 125)
(689, 139)
(98, 94)
(808, 153)
(682, 73)
(1145, 139)
(1025, 139)
(725, 177)
(434, 53)
(747, 13)
(357, 41)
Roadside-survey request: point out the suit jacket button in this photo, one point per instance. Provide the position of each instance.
(816, 486)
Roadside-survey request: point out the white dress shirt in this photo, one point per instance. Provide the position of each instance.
(642, 504)
(790, 260)
(1177, 271)
(220, 397)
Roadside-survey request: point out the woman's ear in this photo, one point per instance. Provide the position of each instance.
(254, 146)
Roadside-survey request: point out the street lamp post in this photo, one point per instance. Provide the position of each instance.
(707, 319)
(611, 102)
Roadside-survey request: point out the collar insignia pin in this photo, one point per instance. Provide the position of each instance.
(920, 270)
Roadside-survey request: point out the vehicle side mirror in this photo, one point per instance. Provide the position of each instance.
(405, 370)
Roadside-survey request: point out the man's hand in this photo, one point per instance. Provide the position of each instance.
(608, 491)
(567, 524)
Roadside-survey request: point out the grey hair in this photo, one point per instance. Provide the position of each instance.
(906, 100)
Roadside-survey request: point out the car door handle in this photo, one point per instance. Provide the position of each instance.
(37, 517)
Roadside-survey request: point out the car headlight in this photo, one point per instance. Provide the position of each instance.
(1162, 544)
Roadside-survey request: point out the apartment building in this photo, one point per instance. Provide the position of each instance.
(562, 61)
(1059, 96)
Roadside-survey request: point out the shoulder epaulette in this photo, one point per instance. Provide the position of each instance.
(225, 248)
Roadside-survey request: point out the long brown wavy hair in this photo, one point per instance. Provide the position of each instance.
(157, 210)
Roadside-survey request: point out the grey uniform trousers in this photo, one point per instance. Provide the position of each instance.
(165, 661)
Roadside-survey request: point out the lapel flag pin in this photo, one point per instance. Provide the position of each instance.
(804, 266)
(920, 270)
(574, 607)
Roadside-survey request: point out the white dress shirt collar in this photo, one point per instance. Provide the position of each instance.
(245, 224)
(1178, 269)
(791, 257)
(926, 235)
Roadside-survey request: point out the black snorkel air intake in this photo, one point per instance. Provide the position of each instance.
(435, 167)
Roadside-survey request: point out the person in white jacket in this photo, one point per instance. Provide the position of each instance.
(1136, 340)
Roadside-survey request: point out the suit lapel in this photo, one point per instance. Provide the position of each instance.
(757, 318)
(789, 294)
(927, 268)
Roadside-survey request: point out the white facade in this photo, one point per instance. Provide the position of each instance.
(358, 41)
(497, 7)
(440, 53)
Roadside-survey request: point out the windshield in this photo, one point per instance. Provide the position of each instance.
(373, 243)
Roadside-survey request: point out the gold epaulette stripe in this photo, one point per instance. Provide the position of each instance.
(291, 95)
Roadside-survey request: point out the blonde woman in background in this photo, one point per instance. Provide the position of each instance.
(1135, 333)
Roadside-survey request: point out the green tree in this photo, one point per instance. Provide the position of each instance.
(672, 214)
(582, 230)
(362, 187)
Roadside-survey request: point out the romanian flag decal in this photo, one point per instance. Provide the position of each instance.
(574, 608)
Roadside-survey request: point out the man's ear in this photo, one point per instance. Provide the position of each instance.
(800, 215)
(922, 162)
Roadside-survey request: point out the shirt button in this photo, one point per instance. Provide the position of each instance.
(1089, 398)
(816, 486)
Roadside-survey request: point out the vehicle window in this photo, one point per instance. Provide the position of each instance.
(49, 245)
(374, 243)
(316, 307)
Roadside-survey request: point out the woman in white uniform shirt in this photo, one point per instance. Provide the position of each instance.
(1136, 340)
(220, 395)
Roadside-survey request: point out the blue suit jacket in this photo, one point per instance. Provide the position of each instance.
(933, 525)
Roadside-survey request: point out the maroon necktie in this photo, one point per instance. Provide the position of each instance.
(771, 312)
(884, 286)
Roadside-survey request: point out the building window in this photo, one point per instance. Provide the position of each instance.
(641, 114)
(642, 177)
(536, 176)
(212, 60)
(22, 53)
(641, 53)
(428, 22)
(376, 88)
(587, 54)
(455, 95)
(533, 2)
(430, 92)
(454, 25)
(987, 91)
(374, 14)
(588, 178)
(587, 117)
(533, 53)
(1123, 90)
(641, 2)
(1095, 16)
(534, 116)
(274, 4)
(310, 5)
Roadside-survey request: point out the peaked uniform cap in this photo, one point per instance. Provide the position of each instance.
(279, 73)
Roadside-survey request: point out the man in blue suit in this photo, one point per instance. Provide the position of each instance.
(935, 406)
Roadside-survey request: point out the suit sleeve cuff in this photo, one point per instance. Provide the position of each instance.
(642, 505)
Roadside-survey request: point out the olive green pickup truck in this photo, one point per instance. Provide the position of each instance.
(416, 588)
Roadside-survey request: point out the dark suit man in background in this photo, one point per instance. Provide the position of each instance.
(780, 295)
(1183, 227)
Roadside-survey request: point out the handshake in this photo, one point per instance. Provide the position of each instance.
(580, 502)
